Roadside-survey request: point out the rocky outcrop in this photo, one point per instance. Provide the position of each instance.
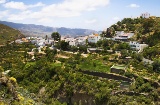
(11, 85)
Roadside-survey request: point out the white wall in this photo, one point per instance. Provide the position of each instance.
(93, 39)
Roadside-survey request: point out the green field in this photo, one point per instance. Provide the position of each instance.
(94, 65)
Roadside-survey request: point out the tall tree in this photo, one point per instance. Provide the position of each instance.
(56, 36)
(148, 25)
(64, 45)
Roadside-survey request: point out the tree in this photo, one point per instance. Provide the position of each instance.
(99, 43)
(156, 65)
(123, 46)
(109, 33)
(46, 37)
(56, 36)
(148, 24)
(50, 54)
(124, 53)
(64, 45)
(83, 49)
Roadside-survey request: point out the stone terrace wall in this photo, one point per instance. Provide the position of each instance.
(108, 76)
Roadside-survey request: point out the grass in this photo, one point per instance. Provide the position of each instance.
(56, 64)
(94, 65)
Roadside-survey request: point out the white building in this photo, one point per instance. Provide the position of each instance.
(82, 40)
(145, 15)
(73, 42)
(137, 46)
(19, 41)
(68, 39)
(120, 35)
(94, 38)
(41, 44)
(49, 41)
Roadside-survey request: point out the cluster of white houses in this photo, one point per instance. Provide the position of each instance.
(38, 41)
(82, 40)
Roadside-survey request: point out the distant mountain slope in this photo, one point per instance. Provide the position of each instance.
(8, 34)
(39, 30)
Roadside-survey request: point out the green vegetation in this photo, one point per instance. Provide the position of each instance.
(93, 65)
(145, 29)
(56, 36)
(50, 79)
(8, 34)
(55, 77)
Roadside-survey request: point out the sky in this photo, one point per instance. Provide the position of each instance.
(88, 14)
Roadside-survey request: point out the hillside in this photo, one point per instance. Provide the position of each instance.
(147, 30)
(8, 34)
(39, 30)
(54, 80)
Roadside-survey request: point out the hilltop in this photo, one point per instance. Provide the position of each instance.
(147, 30)
(8, 34)
(40, 30)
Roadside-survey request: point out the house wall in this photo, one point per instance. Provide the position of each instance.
(73, 43)
(118, 33)
(93, 39)
(81, 40)
(145, 15)
(137, 46)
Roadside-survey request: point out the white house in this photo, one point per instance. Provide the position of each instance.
(137, 46)
(49, 41)
(81, 40)
(145, 15)
(94, 38)
(120, 35)
(19, 41)
(73, 42)
(41, 43)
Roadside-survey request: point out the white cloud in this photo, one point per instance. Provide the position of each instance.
(21, 16)
(3, 13)
(91, 21)
(133, 6)
(67, 8)
(39, 4)
(21, 5)
(46, 13)
(70, 8)
(2, 1)
(15, 5)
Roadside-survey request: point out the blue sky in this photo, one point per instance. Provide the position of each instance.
(90, 14)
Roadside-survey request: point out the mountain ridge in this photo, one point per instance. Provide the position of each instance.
(40, 30)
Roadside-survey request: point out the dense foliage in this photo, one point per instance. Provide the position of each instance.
(56, 36)
(54, 80)
(8, 34)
